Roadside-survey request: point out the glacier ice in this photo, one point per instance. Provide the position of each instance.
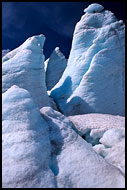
(44, 151)
(74, 158)
(101, 150)
(54, 66)
(116, 155)
(94, 79)
(112, 136)
(97, 123)
(41, 147)
(24, 67)
(26, 146)
(106, 133)
(94, 8)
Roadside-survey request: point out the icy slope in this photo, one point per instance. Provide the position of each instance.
(24, 67)
(55, 67)
(75, 163)
(25, 143)
(98, 122)
(93, 80)
(106, 133)
(45, 151)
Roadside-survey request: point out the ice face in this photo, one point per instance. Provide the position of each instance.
(55, 67)
(93, 80)
(25, 142)
(24, 67)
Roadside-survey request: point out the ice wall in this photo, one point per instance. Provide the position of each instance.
(94, 79)
(24, 67)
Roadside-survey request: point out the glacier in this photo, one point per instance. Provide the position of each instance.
(106, 133)
(76, 158)
(94, 79)
(54, 66)
(24, 67)
(45, 151)
(63, 123)
(25, 142)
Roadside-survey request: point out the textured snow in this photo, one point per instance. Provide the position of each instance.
(109, 130)
(94, 8)
(101, 150)
(54, 67)
(25, 143)
(112, 136)
(114, 155)
(74, 159)
(97, 123)
(93, 81)
(24, 67)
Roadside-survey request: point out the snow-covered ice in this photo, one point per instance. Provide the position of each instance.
(25, 143)
(41, 147)
(101, 150)
(75, 162)
(94, 79)
(24, 67)
(109, 130)
(54, 66)
(116, 155)
(97, 123)
(94, 8)
(112, 137)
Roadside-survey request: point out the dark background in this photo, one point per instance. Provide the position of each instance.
(56, 20)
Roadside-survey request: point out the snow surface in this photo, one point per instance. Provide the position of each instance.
(101, 150)
(97, 123)
(74, 159)
(109, 130)
(42, 151)
(54, 67)
(114, 155)
(24, 67)
(94, 79)
(25, 143)
(112, 136)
